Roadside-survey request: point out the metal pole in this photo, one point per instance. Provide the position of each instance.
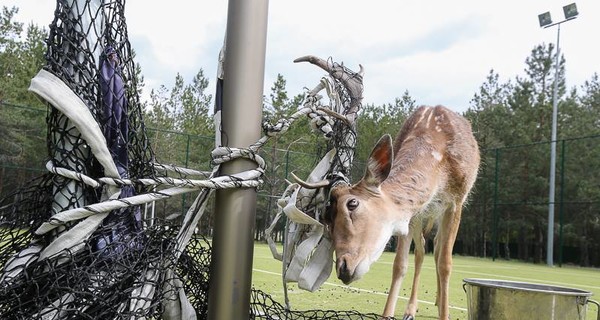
(550, 248)
(233, 246)
(562, 202)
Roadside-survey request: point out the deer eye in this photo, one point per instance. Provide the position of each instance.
(352, 204)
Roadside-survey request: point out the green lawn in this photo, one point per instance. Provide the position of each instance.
(369, 294)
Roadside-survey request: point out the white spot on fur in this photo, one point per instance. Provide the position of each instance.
(401, 227)
(422, 116)
(429, 118)
(438, 129)
(436, 155)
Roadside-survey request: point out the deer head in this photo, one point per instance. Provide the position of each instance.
(356, 211)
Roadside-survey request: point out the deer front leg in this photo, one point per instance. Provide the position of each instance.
(398, 272)
(445, 242)
(412, 306)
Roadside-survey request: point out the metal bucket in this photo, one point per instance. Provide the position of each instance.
(499, 300)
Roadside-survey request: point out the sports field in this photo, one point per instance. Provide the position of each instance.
(369, 294)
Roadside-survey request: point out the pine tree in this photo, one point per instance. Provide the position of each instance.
(21, 112)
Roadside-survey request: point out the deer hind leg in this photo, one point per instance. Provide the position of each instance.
(446, 235)
(412, 306)
(398, 272)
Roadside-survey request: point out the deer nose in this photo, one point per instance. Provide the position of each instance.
(342, 270)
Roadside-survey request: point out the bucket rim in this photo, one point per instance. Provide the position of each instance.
(527, 286)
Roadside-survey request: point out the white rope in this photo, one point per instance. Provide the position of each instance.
(320, 120)
(72, 175)
(214, 183)
(180, 170)
(246, 179)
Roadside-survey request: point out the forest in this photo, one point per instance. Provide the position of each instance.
(506, 216)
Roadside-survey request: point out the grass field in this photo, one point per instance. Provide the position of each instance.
(369, 294)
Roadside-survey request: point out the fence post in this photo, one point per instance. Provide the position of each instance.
(3, 172)
(287, 162)
(187, 165)
(495, 208)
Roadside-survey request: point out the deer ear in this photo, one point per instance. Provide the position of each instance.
(379, 163)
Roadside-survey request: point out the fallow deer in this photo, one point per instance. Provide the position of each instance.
(425, 176)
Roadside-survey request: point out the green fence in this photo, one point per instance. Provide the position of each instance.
(506, 217)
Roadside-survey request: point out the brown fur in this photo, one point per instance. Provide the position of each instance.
(433, 167)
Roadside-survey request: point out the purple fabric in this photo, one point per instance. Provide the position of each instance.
(120, 225)
(115, 109)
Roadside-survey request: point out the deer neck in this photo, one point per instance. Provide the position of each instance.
(416, 176)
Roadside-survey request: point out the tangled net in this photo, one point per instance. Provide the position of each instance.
(76, 242)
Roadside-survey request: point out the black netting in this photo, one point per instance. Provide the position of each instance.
(62, 257)
(89, 285)
(264, 307)
(349, 90)
(345, 100)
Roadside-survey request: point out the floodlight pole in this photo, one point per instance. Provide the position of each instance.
(550, 248)
(552, 182)
(233, 246)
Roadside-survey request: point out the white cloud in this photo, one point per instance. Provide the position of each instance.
(179, 32)
(440, 51)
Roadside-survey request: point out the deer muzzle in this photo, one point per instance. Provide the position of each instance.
(343, 273)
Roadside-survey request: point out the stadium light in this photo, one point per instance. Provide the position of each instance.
(545, 20)
(570, 11)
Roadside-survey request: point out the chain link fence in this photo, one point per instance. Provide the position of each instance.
(506, 216)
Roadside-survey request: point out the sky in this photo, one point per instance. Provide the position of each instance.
(440, 51)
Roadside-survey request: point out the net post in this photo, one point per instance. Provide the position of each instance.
(233, 246)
